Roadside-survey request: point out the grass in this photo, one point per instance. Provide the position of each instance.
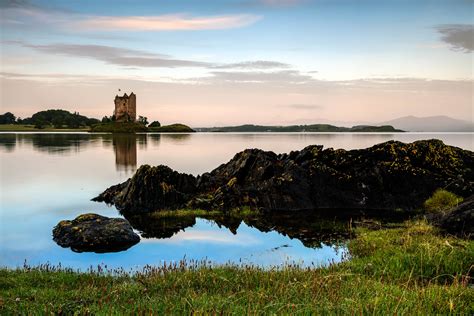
(409, 270)
(442, 201)
(31, 128)
(119, 127)
(240, 213)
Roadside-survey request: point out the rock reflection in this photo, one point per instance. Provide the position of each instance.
(314, 231)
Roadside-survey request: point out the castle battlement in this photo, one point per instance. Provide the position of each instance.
(125, 108)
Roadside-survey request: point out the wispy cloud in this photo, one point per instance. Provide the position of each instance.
(288, 76)
(273, 3)
(137, 58)
(281, 2)
(258, 64)
(14, 4)
(303, 107)
(459, 36)
(171, 22)
(117, 56)
(21, 12)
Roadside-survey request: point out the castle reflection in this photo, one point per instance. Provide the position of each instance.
(125, 148)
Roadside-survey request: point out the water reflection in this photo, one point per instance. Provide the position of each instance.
(125, 149)
(7, 142)
(48, 177)
(313, 229)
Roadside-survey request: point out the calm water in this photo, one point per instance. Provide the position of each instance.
(46, 178)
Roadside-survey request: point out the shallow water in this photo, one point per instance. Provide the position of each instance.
(49, 177)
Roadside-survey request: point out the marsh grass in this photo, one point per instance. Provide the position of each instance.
(409, 270)
(442, 201)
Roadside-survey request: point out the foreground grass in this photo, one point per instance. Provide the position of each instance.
(410, 270)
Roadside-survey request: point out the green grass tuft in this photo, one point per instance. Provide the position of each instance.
(442, 201)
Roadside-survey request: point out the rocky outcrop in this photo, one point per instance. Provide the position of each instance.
(391, 175)
(95, 233)
(151, 188)
(459, 220)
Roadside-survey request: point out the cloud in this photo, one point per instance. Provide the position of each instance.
(117, 56)
(258, 64)
(14, 4)
(137, 58)
(279, 3)
(170, 22)
(303, 107)
(288, 76)
(459, 36)
(24, 13)
(273, 3)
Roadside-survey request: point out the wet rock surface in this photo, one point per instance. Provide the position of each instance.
(459, 220)
(391, 175)
(95, 233)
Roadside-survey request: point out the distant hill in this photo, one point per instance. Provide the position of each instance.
(431, 124)
(321, 128)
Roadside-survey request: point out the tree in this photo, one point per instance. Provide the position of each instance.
(155, 124)
(143, 120)
(40, 124)
(7, 118)
(57, 122)
(106, 119)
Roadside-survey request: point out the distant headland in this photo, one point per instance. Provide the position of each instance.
(313, 128)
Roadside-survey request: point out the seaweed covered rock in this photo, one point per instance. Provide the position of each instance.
(459, 220)
(391, 175)
(95, 233)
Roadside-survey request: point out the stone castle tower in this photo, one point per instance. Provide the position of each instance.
(126, 108)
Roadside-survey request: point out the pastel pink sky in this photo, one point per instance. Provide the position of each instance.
(235, 62)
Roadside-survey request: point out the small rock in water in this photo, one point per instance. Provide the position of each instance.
(95, 233)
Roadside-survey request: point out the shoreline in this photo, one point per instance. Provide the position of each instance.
(425, 273)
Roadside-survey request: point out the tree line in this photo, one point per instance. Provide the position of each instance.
(63, 119)
(48, 118)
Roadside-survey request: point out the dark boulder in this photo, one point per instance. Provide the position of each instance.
(459, 220)
(95, 233)
(391, 175)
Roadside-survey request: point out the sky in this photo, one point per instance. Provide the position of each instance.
(231, 62)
